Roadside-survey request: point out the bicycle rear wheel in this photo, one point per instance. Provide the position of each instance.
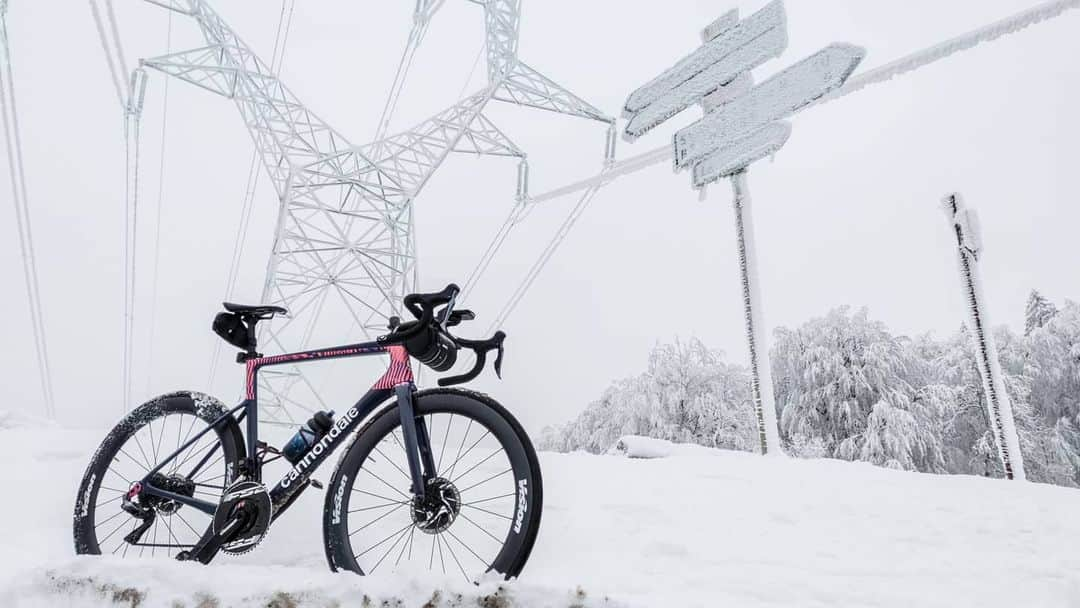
(483, 507)
(145, 437)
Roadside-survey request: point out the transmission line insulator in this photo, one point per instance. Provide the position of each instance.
(523, 180)
(609, 146)
(136, 91)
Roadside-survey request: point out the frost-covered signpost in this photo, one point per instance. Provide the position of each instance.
(969, 245)
(742, 124)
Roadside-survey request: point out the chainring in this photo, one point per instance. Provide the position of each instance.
(249, 503)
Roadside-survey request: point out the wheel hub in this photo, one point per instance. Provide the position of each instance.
(439, 508)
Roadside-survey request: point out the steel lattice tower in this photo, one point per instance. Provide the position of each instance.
(345, 223)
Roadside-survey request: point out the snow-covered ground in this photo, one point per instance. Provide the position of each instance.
(698, 528)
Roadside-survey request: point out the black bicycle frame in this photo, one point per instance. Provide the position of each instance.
(398, 380)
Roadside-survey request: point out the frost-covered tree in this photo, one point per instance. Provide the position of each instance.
(840, 373)
(687, 395)
(1038, 313)
(848, 388)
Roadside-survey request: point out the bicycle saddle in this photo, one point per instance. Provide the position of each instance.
(258, 310)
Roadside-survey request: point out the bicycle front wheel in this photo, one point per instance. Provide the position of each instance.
(482, 509)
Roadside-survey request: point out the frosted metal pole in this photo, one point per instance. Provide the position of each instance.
(969, 245)
(757, 339)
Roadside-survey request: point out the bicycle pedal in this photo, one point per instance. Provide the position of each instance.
(315, 482)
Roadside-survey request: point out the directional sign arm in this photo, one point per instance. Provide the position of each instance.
(732, 158)
(741, 60)
(769, 18)
(778, 97)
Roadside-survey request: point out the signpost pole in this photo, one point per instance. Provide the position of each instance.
(969, 246)
(761, 384)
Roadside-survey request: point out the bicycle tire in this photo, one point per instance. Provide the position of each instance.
(527, 483)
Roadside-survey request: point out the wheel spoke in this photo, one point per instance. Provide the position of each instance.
(438, 541)
(102, 541)
(476, 502)
(446, 440)
(138, 443)
(490, 512)
(473, 468)
(193, 454)
(462, 543)
(102, 504)
(382, 541)
(378, 496)
(383, 516)
(196, 532)
(153, 443)
(382, 506)
(480, 483)
(472, 447)
(110, 518)
(144, 467)
(396, 541)
(187, 436)
(202, 462)
(482, 529)
(457, 561)
(126, 480)
(406, 545)
(387, 484)
(394, 464)
(464, 438)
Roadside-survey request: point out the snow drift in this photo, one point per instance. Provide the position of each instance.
(700, 527)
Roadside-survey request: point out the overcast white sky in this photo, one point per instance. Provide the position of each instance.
(847, 214)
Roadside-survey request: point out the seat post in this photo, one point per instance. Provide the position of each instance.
(250, 352)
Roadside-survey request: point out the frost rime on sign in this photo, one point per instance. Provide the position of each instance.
(742, 122)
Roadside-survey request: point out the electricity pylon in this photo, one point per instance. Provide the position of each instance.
(345, 224)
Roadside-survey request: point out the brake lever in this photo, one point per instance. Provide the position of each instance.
(458, 316)
(499, 359)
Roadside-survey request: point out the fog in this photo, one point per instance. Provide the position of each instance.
(846, 213)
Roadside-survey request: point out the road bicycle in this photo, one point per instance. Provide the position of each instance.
(443, 478)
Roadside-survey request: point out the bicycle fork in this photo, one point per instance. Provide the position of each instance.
(417, 442)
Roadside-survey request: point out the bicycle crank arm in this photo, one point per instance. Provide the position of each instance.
(205, 551)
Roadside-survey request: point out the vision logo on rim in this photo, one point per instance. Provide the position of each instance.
(339, 498)
(523, 494)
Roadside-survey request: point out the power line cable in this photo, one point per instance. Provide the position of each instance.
(160, 206)
(118, 82)
(20, 198)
